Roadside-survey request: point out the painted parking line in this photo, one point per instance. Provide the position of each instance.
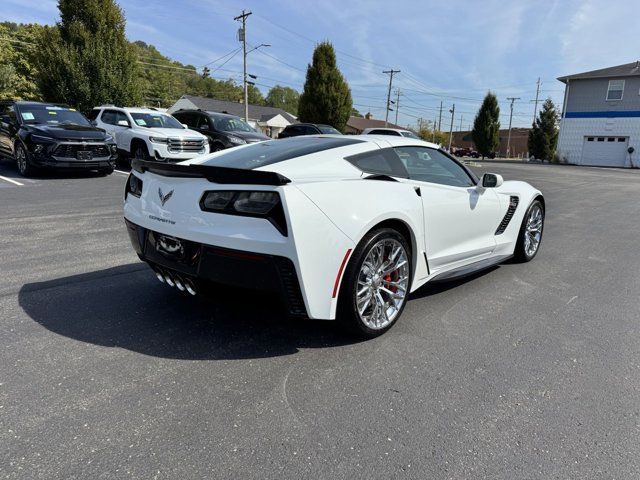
(122, 172)
(10, 180)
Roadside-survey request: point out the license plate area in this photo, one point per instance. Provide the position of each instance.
(170, 246)
(84, 155)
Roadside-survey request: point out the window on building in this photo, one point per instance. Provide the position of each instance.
(621, 139)
(614, 92)
(601, 139)
(589, 139)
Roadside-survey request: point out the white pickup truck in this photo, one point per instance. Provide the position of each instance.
(149, 134)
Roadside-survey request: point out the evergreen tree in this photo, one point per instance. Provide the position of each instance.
(285, 98)
(86, 60)
(543, 137)
(486, 126)
(326, 97)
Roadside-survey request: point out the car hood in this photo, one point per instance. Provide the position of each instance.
(175, 132)
(68, 132)
(249, 137)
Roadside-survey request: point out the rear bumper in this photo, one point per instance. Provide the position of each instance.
(198, 261)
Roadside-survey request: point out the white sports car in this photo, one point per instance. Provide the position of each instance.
(343, 227)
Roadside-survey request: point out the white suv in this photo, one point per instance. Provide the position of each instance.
(149, 134)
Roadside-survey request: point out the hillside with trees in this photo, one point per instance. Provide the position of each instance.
(84, 60)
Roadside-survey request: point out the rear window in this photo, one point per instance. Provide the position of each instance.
(274, 151)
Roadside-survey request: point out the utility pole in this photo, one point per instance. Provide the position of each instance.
(513, 99)
(460, 129)
(535, 106)
(242, 34)
(435, 123)
(440, 118)
(391, 73)
(453, 112)
(397, 104)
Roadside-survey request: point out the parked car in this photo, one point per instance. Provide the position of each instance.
(43, 135)
(149, 134)
(396, 132)
(223, 130)
(299, 129)
(420, 216)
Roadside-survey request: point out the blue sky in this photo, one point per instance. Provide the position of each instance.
(450, 51)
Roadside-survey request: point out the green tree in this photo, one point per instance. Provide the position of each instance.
(355, 112)
(285, 98)
(255, 96)
(543, 137)
(18, 43)
(86, 60)
(428, 134)
(486, 126)
(326, 97)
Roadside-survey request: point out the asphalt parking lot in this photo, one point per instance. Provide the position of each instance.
(525, 371)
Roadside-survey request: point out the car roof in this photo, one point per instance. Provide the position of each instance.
(131, 109)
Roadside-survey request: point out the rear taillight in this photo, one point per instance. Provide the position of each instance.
(259, 204)
(134, 186)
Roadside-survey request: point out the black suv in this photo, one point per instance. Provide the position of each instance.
(42, 135)
(223, 130)
(298, 129)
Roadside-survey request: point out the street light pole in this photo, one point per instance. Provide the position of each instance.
(453, 112)
(243, 39)
(513, 99)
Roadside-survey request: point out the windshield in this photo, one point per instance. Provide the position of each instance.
(155, 120)
(328, 130)
(410, 135)
(231, 124)
(51, 115)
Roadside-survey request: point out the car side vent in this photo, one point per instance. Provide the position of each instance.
(291, 287)
(513, 204)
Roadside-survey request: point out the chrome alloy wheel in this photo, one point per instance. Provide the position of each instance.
(533, 231)
(21, 160)
(382, 285)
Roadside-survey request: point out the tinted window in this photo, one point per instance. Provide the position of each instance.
(382, 161)
(430, 165)
(309, 130)
(190, 119)
(384, 132)
(93, 114)
(274, 151)
(112, 117)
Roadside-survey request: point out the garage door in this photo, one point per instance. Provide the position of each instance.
(605, 151)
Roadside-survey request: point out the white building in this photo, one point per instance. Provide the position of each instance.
(601, 117)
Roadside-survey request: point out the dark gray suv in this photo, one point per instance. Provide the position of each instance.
(223, 130)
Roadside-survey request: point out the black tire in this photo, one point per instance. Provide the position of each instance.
(347, 313)
(215, 147)
(140, 151)
(521, 254)
(22, 161)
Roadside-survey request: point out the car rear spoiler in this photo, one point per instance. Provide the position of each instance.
(225, 175)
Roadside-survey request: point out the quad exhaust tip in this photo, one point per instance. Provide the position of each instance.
(173, 280)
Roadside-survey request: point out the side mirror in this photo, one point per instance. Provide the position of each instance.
(205, 127)
(185, 126)
(491, 180)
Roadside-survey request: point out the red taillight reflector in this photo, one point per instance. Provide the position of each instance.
(339, 276)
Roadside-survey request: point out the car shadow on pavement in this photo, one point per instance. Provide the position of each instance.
(126, 307)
